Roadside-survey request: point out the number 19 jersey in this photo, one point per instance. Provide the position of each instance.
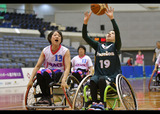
(107, 60)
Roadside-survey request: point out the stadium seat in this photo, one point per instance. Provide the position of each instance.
(2, 65)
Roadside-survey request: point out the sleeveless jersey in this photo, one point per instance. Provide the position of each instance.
(54, 60)
(107, 60)
(81, 62)
(157, 51)
(158, 62)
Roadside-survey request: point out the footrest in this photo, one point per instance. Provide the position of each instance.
(155, 87)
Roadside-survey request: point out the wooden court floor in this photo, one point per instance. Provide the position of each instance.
(13, 98)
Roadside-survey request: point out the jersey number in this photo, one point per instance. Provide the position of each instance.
(104, 63)
(58, 58)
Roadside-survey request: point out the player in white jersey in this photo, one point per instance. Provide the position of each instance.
(56, 59)
(157, 70)
(156, 52)
(157, 65)
(82, 64)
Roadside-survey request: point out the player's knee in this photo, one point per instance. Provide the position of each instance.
(101, 79)
(39, 72)
(47, 74)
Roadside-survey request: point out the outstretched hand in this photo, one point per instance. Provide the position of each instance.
(109, 13)
(87, 16)
(64, 84)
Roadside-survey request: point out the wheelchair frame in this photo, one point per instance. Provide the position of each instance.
(54, 87)
(153, 82)
(112, 96)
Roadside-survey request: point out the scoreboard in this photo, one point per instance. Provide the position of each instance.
(100, 39)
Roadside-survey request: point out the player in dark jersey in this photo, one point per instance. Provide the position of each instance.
(107, 64)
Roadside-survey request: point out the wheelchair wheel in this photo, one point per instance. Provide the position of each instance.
(69, 93)
(29, 96)
(126, 93)
(78, 101)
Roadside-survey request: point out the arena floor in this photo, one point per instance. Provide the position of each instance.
(13, 98)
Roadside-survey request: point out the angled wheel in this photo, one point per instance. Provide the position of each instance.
(29, 96)
(69, 93)
(78, 101)
(126, 93)
(151, 81)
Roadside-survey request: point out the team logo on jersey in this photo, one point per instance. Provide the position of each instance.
(105, 54)
(55, 64)
(106, 47)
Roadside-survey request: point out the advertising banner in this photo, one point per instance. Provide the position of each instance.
(11, 73)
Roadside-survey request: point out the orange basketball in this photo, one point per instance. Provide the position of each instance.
(99, 9)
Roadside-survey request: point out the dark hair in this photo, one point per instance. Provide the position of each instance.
(51, 33)
(81, 46)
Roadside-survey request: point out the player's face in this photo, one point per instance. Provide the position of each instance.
(110, 37)
(158, 45)
(81, 51)
(56, 38)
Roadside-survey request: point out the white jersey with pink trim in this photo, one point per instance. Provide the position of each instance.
(54, 60)
(158, 62)
(81, 62)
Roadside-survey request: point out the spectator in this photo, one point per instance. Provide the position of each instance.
(139, 58)
(130, 62)
(42, 32)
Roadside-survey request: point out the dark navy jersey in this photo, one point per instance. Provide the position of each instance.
(107, 60)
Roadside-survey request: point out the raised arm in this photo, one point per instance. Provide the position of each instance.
(117, 35)
(118, 43)
(85, 36)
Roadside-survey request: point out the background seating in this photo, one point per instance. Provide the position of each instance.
(24, 51)
(28, 21)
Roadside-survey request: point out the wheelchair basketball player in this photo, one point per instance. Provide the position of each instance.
(56, 59)
(107, 64)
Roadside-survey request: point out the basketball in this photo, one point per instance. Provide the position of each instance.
(99, 9)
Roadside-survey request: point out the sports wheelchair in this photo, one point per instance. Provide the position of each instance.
(154, 82)
(58, 95)
(123, 93)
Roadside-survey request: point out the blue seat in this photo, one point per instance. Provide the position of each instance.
(14, 65)
(8, 65)
(2, 65)
(20, 65)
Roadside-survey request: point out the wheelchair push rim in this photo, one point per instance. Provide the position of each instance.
(126, 93)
